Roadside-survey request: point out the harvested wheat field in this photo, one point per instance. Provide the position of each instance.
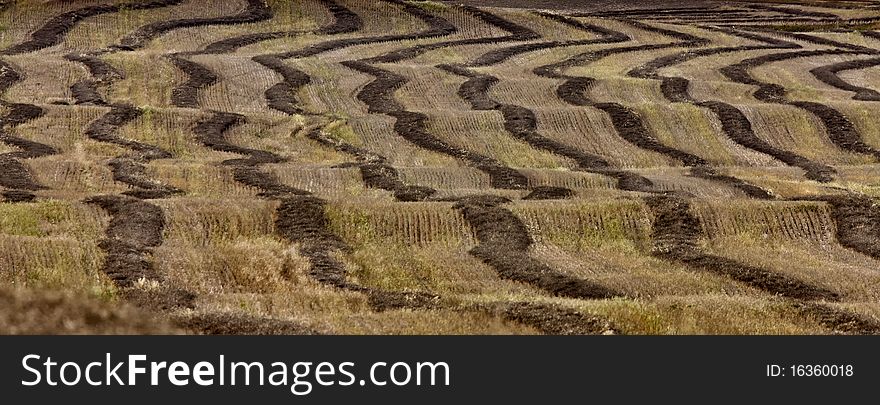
(427, 167)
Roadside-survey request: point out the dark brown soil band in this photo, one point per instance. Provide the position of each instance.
(130, 169)
(281, 95)
(504, 242)
(14, 175)
(734, 123)
(199, 77)
(676, 232)
(857, 219)
(135, 228)
(86, 91)
(378, 96)
(54, 30)
(837, 320)
(236, 324)
(829, 74)
(554, 320)
(256, 10)
(840, 130)
(211, 133)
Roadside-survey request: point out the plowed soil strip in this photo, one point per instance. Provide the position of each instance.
(379, 97)
(857, 219)
(130, 169)
(519, 121)
(628, 123)
(186, 94)
(235, 324)
(840, 130)
(54, 30)
(829, 74)
(553, 319)
(210, 133)
(504, 243)
(734, 123)
(256, 10)
(676, 232)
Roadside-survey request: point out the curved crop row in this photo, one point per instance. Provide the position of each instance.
(53, 31)
(829, 75)
(734, 123)
(256, 10)
(840, 130)
(378, 96)
(675, 235)
(14, 176)
(627, 122)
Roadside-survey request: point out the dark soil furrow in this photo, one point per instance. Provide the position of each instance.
(301, 217)
(554, 320)
(379, 97)
(103, 74)
(840, 130)
(15, 178)
(186, 94)
(857, 219)
(734, 123)
(256, 10)
(837, 320)
(130, 169)
(136, 226)
(829, 75)
(676, 232)
(504, 244)
(211, 133)
(236, 324)
(54, 30)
